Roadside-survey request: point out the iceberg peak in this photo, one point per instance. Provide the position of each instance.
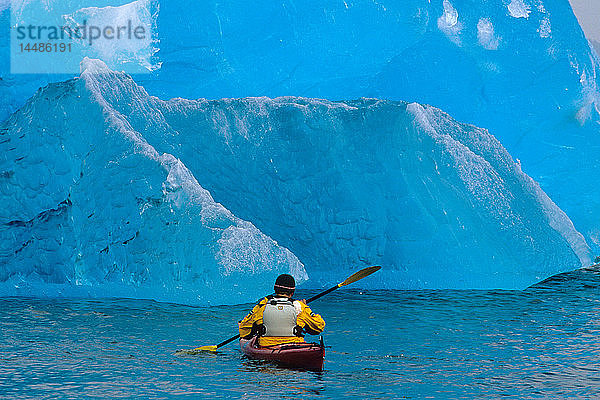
(93, 66)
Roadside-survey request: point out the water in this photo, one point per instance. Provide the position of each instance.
(543, 342)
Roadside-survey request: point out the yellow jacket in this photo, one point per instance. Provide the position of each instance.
(307, 320)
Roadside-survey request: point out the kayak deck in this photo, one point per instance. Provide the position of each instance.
(307, 356)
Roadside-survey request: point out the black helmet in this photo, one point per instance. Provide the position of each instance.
(285, 284)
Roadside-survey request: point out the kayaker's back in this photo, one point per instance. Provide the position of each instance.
(278, 318)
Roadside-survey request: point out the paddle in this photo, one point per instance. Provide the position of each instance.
(351, 279)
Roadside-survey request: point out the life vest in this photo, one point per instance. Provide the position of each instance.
(279, 317)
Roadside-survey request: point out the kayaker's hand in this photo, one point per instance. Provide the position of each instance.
(303, 301)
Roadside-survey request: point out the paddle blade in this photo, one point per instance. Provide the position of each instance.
(197, 351)
(206, 348)
(360, 274)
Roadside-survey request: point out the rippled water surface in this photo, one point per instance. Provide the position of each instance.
(543, 342)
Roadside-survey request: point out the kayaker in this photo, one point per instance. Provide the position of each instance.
(278, 318)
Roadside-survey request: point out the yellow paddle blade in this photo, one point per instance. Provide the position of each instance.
(359, 275)
(206, 348)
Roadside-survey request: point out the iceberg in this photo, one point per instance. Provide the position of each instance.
(139, 13)
(520, 68)
(91, 208)
(107, 189)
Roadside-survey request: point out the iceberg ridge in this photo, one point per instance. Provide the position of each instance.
(130, 221)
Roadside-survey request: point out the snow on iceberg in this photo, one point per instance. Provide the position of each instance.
(138, 13)
(91, 208)
(449, 24)
(485, 33)
(518, 9)
(340, 184)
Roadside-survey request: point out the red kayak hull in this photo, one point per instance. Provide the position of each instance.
(307, 356)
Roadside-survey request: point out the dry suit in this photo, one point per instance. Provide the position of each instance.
(279, 319)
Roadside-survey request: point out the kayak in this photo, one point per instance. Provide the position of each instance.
(307, 356)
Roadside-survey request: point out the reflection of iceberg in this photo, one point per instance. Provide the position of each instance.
(96, 191)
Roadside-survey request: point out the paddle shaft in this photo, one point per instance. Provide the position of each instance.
(322, 294)
(231, 339)
(357, 276)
